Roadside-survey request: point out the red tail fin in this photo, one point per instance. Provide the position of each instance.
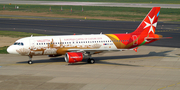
(148, 25)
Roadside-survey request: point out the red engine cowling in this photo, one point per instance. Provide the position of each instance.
(73, 57)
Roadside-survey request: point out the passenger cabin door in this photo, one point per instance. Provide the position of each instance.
(32, 44)
(135, 41)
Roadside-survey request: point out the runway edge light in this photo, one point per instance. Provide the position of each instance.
(4, 7)
(61, 8)
(50, 8)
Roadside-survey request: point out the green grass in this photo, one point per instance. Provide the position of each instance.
(123, 1)
(18, 34)
(123, 13)
(3, 50)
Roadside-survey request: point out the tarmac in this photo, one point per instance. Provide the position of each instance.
(154, 67)
(151, 68)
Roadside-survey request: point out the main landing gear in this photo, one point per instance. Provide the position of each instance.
(90, 60)
(30, 60)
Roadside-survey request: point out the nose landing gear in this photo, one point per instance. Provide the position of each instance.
(30, 60)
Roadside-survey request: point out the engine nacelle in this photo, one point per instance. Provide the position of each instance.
(73, 57)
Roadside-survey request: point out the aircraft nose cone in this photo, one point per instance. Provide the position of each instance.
(8, 49)
(11, 50)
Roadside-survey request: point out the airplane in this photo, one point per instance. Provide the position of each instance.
(75, 48)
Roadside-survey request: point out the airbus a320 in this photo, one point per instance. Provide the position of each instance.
(79, 47)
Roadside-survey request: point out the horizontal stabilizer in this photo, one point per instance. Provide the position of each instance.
(135, 49)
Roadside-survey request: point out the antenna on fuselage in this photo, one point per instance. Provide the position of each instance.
(32, 35)
(100, 33)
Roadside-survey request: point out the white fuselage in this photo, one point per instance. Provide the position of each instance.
(48, 45)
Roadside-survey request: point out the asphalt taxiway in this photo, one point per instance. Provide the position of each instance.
(153, 67)
(77, 26)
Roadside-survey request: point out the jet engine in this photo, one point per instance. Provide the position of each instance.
(73, 57)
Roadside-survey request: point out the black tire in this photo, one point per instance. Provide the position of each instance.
(30, 62)
(92, 61)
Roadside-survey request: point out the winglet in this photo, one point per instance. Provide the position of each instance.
(135, 49)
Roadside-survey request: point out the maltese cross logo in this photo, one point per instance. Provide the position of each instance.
(151, 24)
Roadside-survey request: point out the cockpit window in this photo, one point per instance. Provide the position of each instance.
(15, 43)
(19, 43)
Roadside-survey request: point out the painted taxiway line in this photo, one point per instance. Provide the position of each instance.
(168, 86)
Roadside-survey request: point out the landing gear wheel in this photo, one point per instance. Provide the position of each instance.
(92, 61)
(30, 62)
(30, 59)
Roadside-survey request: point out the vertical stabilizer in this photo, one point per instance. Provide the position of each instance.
(148, 25)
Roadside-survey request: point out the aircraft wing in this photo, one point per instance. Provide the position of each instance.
(95, 51)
